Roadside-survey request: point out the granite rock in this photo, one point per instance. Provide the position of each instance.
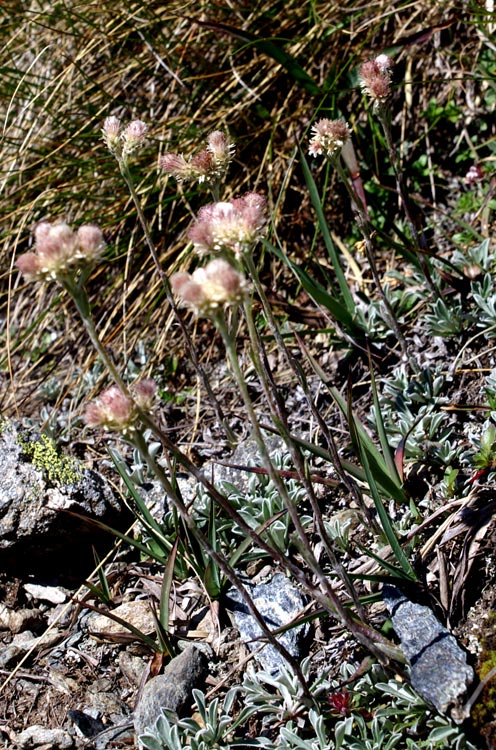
(279, 602)
(39, 490)
(42, 737)
(438, 666)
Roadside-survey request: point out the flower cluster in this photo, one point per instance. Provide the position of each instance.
(114, 410)
(60, 251)
(123, 141)
(233, 226)
(207, 289)
(209, 165)
(375, 78)
(329, 137)
(474, 174)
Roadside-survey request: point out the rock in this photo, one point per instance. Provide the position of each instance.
(102, 698)
(246, 454)
(132, 667)
(52, 594)
(37, 489)
(438, 666)
(279, 602)
(41, 737)
(24, 642)
(137, 613)
(86, 725)
(26, 619)
(5, 613)
(172, 689)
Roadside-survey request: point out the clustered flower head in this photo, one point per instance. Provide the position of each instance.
(114, 410)
(122, 141)
(207, 289)
(233, 226)
(375, 78)
(60, 251)
(474, 174)
(329, 137)
(209, 165)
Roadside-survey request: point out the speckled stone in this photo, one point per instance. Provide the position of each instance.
(279, 602)
(37, 534)
(137, 613)
(38, 736)
(438, 666)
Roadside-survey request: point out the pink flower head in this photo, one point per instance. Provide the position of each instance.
(133, 136)
(207, 289)
(234, 226)
(175, 165)
(90, 242)
(111, 133)
(112, 410)
(340, 702)
(329, 137)
(384, 62)
(221, 148)
(209, 165)
(375, 78)
(202, 167)
(474, 174)
(144, 392)
(59, 251)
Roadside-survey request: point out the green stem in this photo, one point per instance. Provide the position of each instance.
(418, 238)
(80, 299)
(327, 595)
(126, 174)
(364, 225)
(280, 420)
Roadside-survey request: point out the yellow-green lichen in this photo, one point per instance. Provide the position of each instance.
(45, 457)
(485, 708)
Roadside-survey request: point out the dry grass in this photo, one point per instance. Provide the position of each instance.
(184, 69)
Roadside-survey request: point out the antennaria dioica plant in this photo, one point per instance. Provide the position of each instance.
(224, 291)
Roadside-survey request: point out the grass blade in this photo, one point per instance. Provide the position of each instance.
(322, 222)
(317, 292)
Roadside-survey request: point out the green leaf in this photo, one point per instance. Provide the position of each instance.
(320, 295)
(145, 639)
(213, 580)
(103, 592)
(384, 519)
(271, 49)
(381, 430)
(167, 585)
(322, 222)
(376, 462)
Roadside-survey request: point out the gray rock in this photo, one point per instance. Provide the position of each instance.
(279, 602)
(172, 689)
(103, 700)
(26, 619)
(38, 736)
(24, 642)
(246, 454)
(38, 491)
(51, 594)
(132, 667)
(438, 666)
